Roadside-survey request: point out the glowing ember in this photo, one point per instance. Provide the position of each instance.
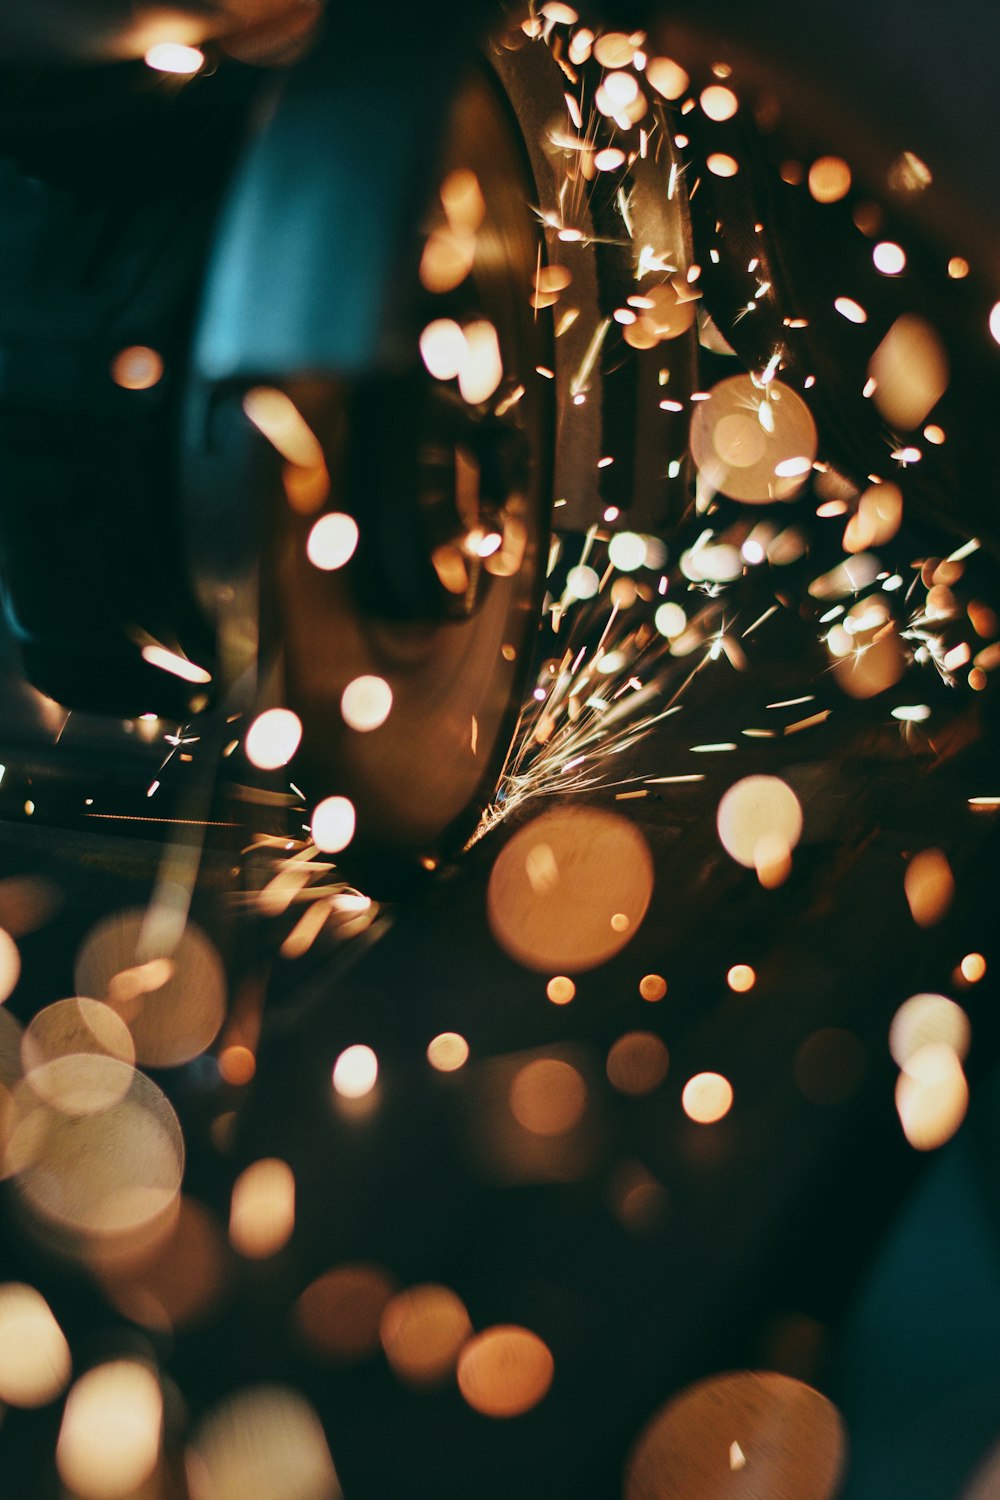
(707, 1098)
(332, 541)
(505, 1371)
(273, 738)
(355, 1072)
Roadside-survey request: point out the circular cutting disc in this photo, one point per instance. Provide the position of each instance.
(433, 618)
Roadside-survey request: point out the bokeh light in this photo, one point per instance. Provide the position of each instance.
(505, 1371)
(333, 824)
(355, 1072)
(109, 1441)
(785, 1437)
(423, 1330)
(548, 1096)
(264, 1442)
(707, 1098)
(35, 1362)
(558, 885)
(273, 738)
(262, 1208)
(338, 1316)
(447, 1052)
(637, 1063)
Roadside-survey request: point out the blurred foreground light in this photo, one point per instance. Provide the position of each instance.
(332, 541)
(262, 1443)
(443, 348)
(481, 370)
(851, 310)
(333, 823)
(719, 103)
(262, 1208)
(78, 1056)
(339, 1314)
(109, 1441)
(103, 1179)
(670, 620)
(560, 989)
(177, 666)
(928, 1020)
(273, 738)
(995, 321)
(753, 1434)
(707, 1097)
(910, 369)
(973, 967)
(744, 432)
(627, 551)
(754, 810)
(505, 1371)
(173, 1004)
(929, 887)
(652, 987)
(447, 1052)
(570, 889)
(582, 582)
(277, 418)
(355, 1072)
(741, 978)
(423, 1330)
(548, 1096)
(137, 368)
(667, 77)
(932, 1096)
(178, 1281)
(366, 703)
(889, 258)
(637, 1063)
(35, 1363)
(10, 964)
(174, 57)
(829, 179)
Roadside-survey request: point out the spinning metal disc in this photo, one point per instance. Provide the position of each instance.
(432, 618)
